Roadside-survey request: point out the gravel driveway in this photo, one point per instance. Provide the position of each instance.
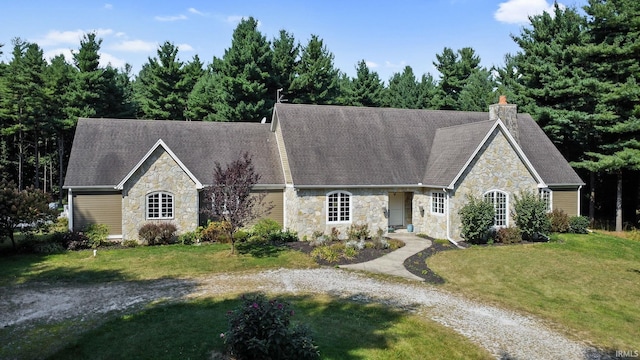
(504, 333)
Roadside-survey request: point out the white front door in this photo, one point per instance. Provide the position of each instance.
(396, 209)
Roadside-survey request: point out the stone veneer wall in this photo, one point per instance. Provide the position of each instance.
(434, 225)
(305, 209)
(159, 173)
(496, 167)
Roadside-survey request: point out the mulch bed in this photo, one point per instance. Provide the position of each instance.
(364, 255)
(415, 264)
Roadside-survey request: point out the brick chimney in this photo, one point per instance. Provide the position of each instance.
(508, 113)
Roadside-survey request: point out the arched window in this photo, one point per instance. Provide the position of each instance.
(159, 205)
(500, 201)
(338, 207)
(547, 197)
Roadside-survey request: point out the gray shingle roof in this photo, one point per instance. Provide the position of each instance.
(105, 150)
(339, 145)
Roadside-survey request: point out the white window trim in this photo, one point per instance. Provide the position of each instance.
(160, 194)
(443, 198)
(550, 194)
(506, 211)
(341, 192)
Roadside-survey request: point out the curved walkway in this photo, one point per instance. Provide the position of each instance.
(393, 262)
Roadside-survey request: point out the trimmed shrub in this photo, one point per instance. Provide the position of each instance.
(477, 218)
(559, 221)
(358, 232)
(264, 227)
(130, 243)
(531, 216)
(508, 235)
(261, 329)
(39, 245)
(188, 238)
(216, 231)
(97, 234)
(161, 233)
(241, 235)
(281, 237)
(578, 224)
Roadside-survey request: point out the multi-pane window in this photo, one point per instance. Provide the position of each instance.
(545, 196)
(159, 205)
(499, 200)
(338, 207)
(437, 202)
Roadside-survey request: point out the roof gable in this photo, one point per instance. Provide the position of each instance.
(158, 144)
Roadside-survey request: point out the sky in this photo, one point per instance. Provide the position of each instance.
(388, 35)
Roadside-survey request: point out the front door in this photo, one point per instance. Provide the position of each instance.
(396, 209)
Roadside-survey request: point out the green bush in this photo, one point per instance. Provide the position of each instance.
(97, 234)
(559, 221)
(216, 231)
(61, 225)
(578, 224)
(335, 234)
(264, 227)
(130, 243)
(531, 215)
(32, 244)
(508, 235)
(161, 233)
(477, 218)
(261, 329)
(188, 238)
(282, 237)
(358, 232)
(241, 235)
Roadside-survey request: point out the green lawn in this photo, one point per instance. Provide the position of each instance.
(191, 330)
(141, 263)
(588, 284)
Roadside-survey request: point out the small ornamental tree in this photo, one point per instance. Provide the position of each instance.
(531, 215)
(29, 207)
(229, 198)
(477, 217)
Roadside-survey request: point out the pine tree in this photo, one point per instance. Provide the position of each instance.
(316, 80)
(160, 89)
(455, 69)
(285, 60)
(366, 89)
(403, 91)
(202, 99)
(243, 76)
(612, 59)
(478, 92)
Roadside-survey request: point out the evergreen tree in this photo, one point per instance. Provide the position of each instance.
(403, 91)
(365, 89)
(243, 76)
(285, 60)
(316, 80)
(427, 91)
(23, 104)
(455, 69)
(160, 89)
(202, 99)
(612, 59)
(86, 91)
(478, 92)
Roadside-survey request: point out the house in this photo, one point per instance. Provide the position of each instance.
(322, 167)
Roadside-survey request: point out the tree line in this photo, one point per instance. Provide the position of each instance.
(575, 73)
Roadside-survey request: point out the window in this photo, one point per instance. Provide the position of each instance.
(338, 207)
(546, 197)
(499, 200)
(159, 205)
(437, 202)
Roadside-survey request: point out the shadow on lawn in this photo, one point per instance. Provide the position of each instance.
(192, 330)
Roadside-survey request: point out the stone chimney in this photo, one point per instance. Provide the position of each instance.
(508, 113)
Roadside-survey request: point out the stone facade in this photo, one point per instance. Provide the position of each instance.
(497, 166)
(159, 173)
(306, 209)
(434, 225)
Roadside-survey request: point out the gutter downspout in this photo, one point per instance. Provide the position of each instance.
(579, 188)
(446, 191)
(70, 205)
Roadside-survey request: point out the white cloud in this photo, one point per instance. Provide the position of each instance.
(108, 59)
(371, 64)
(50, 54)
(234, 19)
(400, 65)
(56, 37)
(185, 47)
(172, 18)
(121, 34)
(108, 6)
(134, 46)
(197, 12)
(518, 11)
